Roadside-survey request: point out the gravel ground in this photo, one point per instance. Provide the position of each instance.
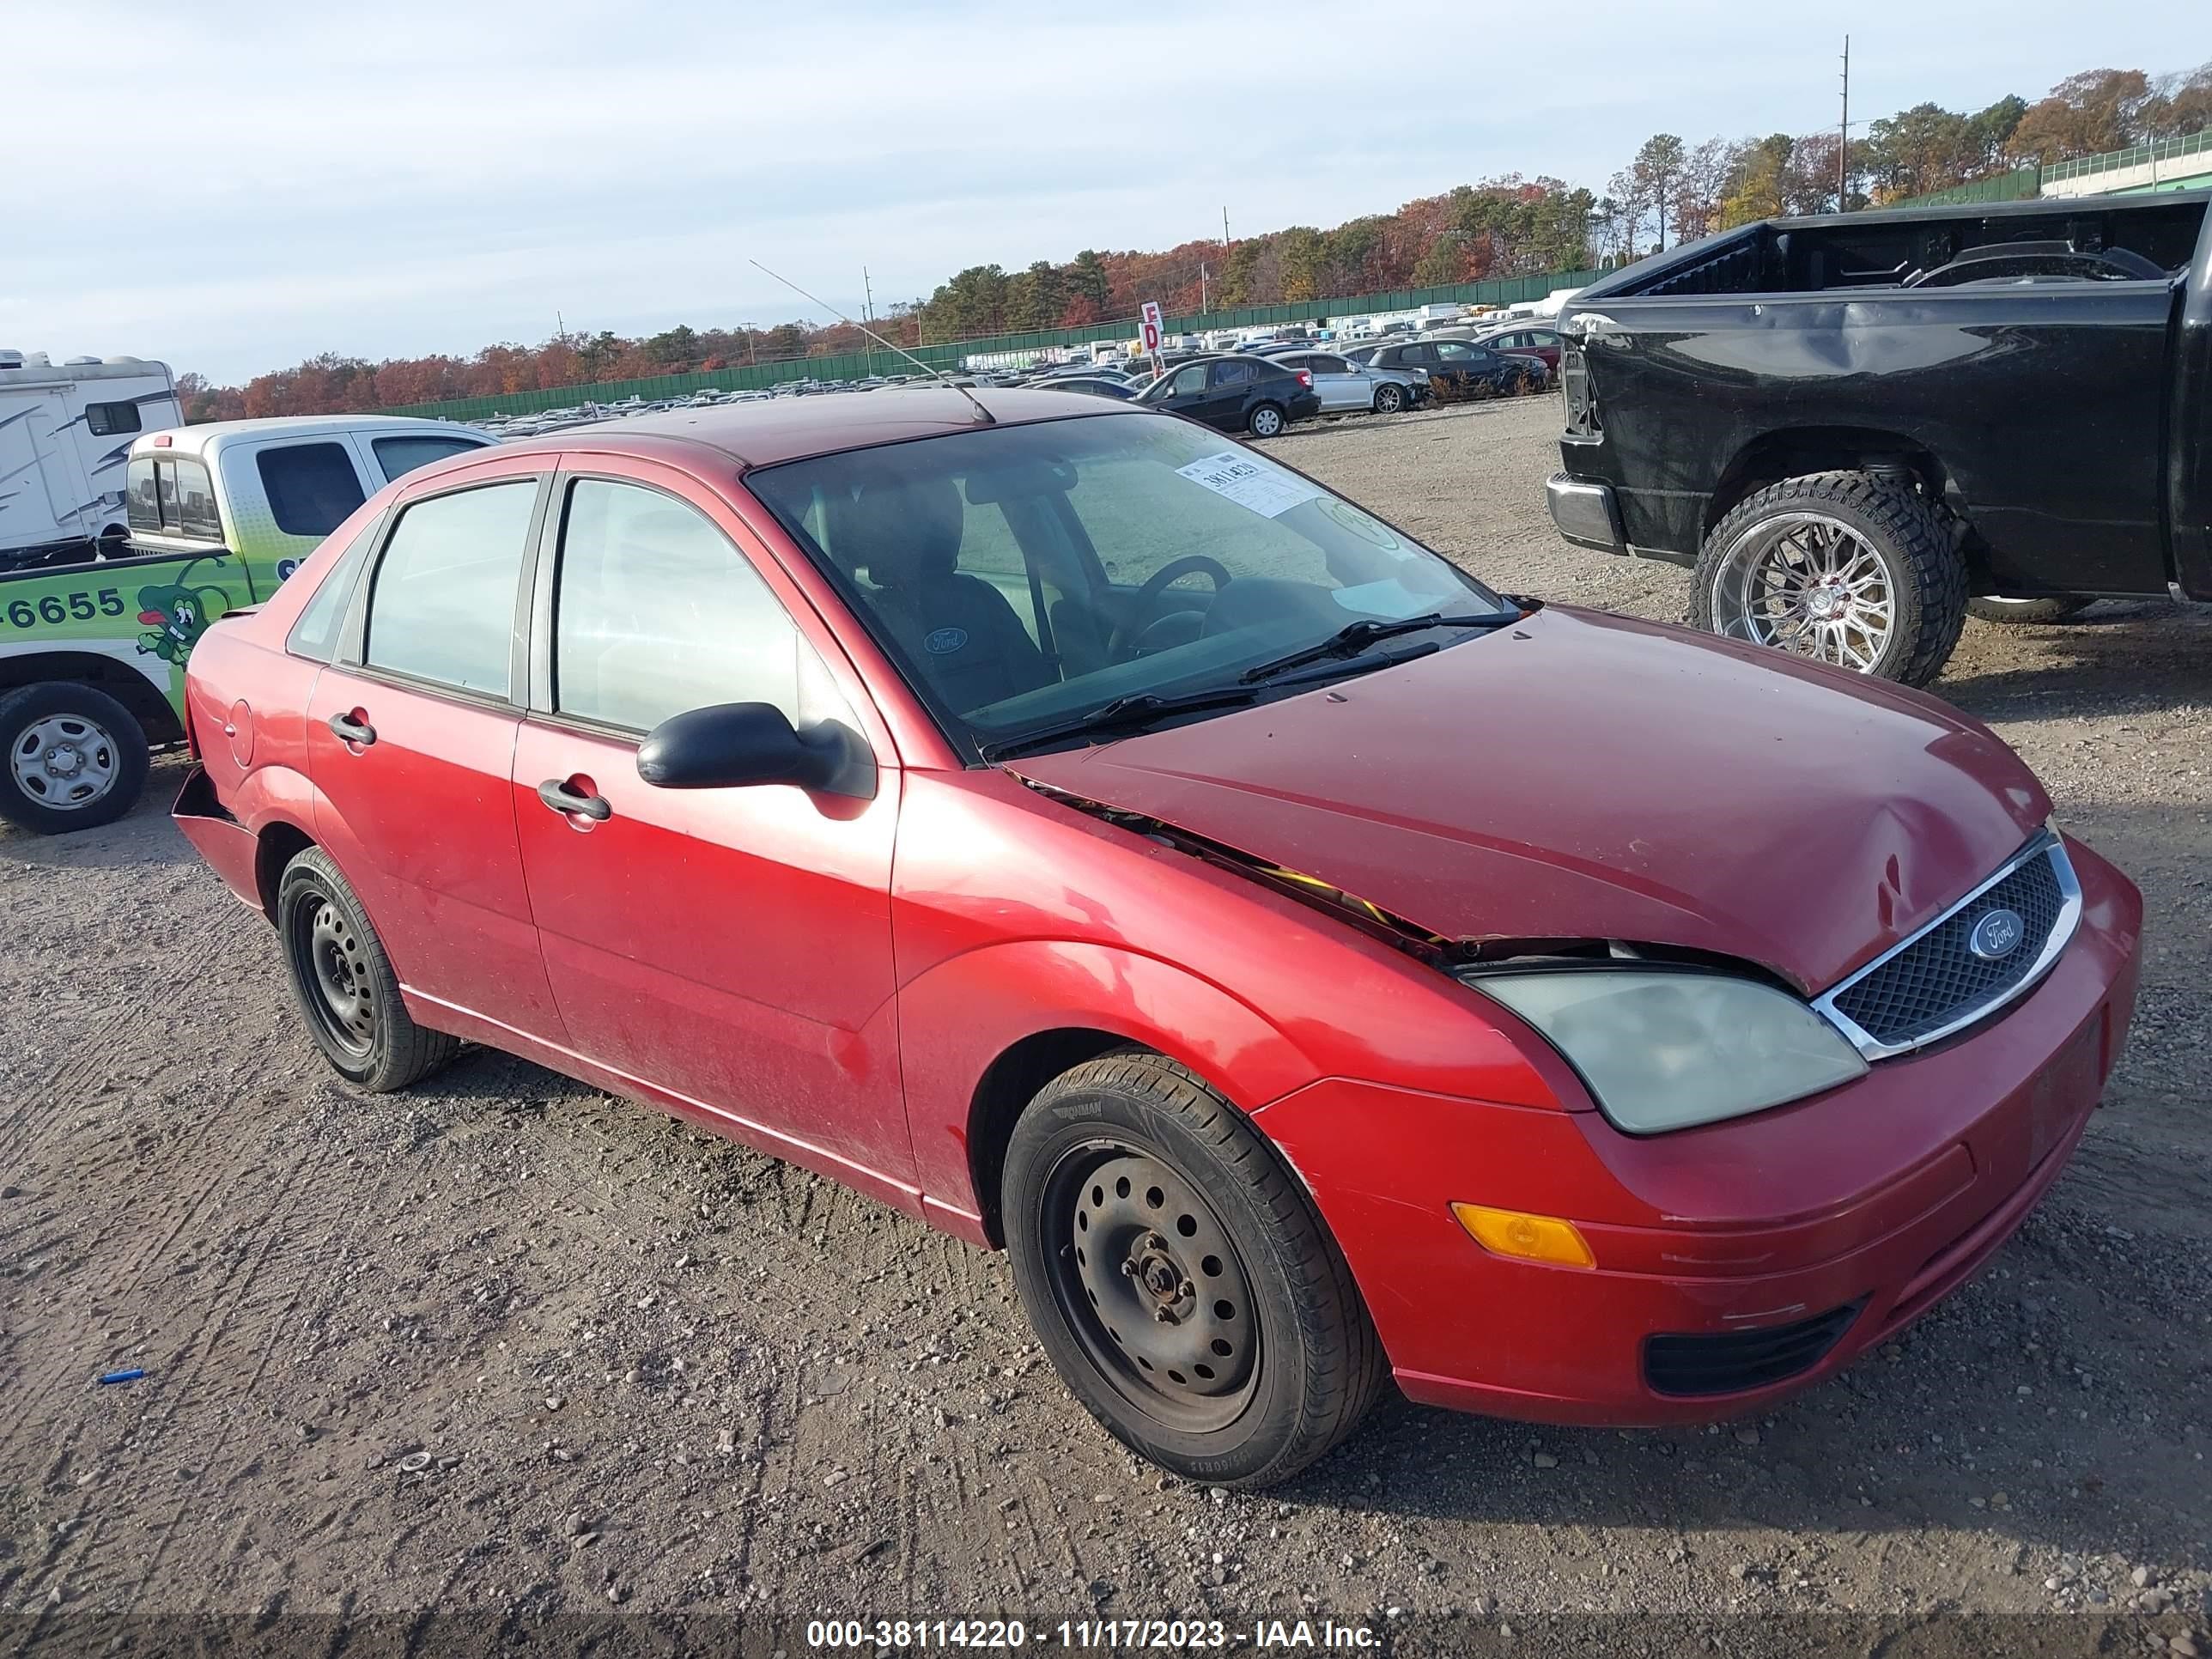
(509, 1349)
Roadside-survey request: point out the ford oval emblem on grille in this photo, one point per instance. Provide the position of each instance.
(1996, 935)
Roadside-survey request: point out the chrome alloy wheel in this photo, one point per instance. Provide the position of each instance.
(1809, 584)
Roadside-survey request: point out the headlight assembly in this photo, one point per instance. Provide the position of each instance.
(1669, 1050)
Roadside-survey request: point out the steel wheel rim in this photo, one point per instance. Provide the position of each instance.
(334, 968)
(65, 761)
(1809, 584)
(1266, 423)
(1154, 1291)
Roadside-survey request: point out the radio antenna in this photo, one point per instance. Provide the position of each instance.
(983, 416)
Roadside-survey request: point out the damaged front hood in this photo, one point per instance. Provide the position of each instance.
(1581, 775)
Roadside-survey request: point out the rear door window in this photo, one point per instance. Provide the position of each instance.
(316, 633)
(312, 488)
(442, 606)
(1235, 372)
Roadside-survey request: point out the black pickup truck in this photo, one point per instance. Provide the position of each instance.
(1857, 429)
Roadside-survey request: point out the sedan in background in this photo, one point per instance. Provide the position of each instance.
(1343, 384)
(1525, 340)
(1458, 369)
(1314, 968)
(1237, 393)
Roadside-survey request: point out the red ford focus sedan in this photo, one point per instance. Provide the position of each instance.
(1094, 839)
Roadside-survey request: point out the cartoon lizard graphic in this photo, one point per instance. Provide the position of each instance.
(177, 614)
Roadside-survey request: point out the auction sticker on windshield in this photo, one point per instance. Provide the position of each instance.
(1250, 483)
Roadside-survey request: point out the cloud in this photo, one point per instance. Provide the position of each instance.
(270, 181)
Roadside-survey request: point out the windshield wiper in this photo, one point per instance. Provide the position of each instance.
(1136, 710)
(1359, 636)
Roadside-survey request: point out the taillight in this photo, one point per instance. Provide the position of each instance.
(1305, 379)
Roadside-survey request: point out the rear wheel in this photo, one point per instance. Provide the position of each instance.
(1179, 1279)
(2051, 608)
(76, 758)
(1265, 421)
(1389, 399)
(1843, 568)
(344, 984)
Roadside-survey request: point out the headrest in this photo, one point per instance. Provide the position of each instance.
(903, 531)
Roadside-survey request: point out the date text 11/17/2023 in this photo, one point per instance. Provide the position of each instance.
(1165, 1635)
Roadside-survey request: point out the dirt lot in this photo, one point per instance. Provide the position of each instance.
(654, 1374)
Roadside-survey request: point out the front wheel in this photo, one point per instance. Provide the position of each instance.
(76, 758)
(1844, 567)
(1265, 421)
(1389, 399)
(1178, 1277)
(2051, 608)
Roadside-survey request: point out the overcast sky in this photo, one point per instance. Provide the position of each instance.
(233, 186)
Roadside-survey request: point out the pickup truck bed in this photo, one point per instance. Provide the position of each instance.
(2026, 383)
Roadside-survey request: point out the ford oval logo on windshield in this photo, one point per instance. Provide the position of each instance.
(944, 640)
(1996, 935)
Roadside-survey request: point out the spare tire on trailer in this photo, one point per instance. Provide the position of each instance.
(1846, 567)
(74, 758)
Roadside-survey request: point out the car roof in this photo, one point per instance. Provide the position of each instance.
(211, 436)
(758, 435)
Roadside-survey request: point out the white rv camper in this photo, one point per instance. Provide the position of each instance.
(65, 431)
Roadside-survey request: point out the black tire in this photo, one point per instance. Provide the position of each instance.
(1264, 1294)
(1389, 398)
(2050, 608)
(343, 982)
(1925, 574)
(1266, 419)
(76, 757)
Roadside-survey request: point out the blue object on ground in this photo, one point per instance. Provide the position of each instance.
(123, 1376)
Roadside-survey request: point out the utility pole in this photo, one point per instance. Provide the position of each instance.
(1201, 285)
(1224, 230)
(868, 311)
(1844, 138)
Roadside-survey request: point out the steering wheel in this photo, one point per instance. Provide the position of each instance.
(1141, 604)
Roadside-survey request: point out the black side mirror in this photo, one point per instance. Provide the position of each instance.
(729, 744)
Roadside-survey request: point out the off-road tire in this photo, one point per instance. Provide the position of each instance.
(1927, 574)
(2050, 608)
(1319, 1363)
(119, 731)
(397, 1051)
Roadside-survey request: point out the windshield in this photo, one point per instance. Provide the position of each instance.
(1022, 576)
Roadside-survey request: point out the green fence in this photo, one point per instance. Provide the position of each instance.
(2196, 145)
(951, 355)
(2021, 185)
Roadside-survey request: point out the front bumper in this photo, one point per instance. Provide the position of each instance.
(1585, 513)
(1764, 1226)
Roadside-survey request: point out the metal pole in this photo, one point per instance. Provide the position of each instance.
(1224, 229)
(1843, 138)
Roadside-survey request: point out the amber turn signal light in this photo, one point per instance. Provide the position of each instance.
(1526, 1238)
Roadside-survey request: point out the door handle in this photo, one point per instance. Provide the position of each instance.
(556, 795)
(353, 731)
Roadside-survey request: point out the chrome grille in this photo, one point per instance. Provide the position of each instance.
(1934, 983)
